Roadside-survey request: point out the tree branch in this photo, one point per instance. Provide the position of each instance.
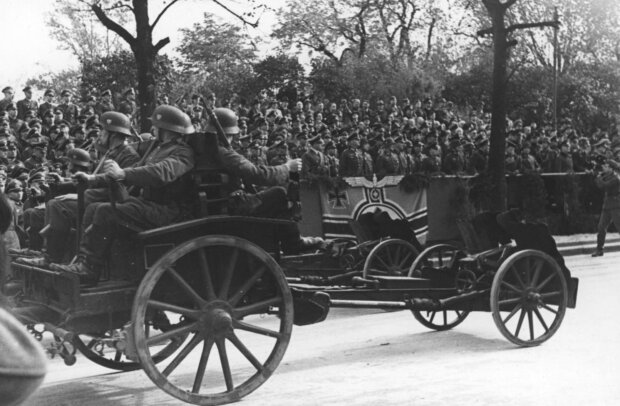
(160, 44)
(484, 32)
(240, 17)
(112, 25)
(508, 4)
(541, 24)
(161, 14)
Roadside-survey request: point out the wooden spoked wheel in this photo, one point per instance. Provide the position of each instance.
(100, 349)
(438, 257)
(440, 320)
(233, 300)
(529, 297)
(390, 258)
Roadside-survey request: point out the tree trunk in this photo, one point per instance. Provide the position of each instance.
(146, 55)
(497, 146)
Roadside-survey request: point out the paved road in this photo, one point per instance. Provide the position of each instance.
(377, 358)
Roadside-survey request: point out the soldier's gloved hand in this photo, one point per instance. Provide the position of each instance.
(294, 165)
(81, 177)
(113, 171)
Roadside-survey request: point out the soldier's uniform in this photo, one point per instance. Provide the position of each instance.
(314, 162)
(387, 162)
(69, 110)
(26, 104)
(332, 160)
(46, 106)
(102, 105)
(609, 181)
(352, 159)
(164, 190)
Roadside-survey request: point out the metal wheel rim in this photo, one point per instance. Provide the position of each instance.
(524, 289)
(393, 255)
(282, 336)
(449, 318)
(424, 256)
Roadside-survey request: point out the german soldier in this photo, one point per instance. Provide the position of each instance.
(26, 103)
(163, 192)
(609, 181)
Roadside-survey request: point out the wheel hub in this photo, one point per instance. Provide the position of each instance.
(532, 298)
(217, 320)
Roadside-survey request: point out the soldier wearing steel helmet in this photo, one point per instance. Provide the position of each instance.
(271, 202)
(163, 190)
(62, 211)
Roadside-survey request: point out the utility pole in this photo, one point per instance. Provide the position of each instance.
(556, 57)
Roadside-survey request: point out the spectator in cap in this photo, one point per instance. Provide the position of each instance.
(478, 160)
(352, 159)
(512, 162)
(387, 162)
(38, 152)
(546, 155)
(27, 103)
(331, 154)
(47, 105)
(15, 192)
(454, 162)
(9, 94)
(582, 160)
(128, 105)
(609, 182)
(105, 103)
(313, 161)
(564, 160)
(4, 149)
(528, 162)
(69, 110)
(15, 122)
(47, 123)
(432, 163)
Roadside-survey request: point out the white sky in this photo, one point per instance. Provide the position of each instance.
(27, 49)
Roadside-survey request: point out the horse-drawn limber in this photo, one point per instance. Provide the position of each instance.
(221, 289)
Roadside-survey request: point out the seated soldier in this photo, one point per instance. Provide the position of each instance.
(269, 203)
(59, 213)
(529, 235)
(62, 211)
(164, 191)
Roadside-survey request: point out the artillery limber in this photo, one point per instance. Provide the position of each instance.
(222, 289)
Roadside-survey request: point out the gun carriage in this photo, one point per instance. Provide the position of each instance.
(222, 286)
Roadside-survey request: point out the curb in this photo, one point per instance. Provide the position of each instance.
(586, 246)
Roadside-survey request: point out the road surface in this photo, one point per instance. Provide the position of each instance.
(387, 358)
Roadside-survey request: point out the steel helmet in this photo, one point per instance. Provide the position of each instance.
(116, 122)
(78, 156)
(227, 119)
(172, 119)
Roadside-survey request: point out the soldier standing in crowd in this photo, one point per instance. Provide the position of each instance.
(368, 163)
(387, 162)
(418, 156)
(27, 103)
(479, 158)
(69, 110)
(351, 159)
(47, 104)
(14, 121)
(582, 160)
(432, 163)
(564, 160)
(609, 181)
(454, 163)
(15, 193)
(128, 105)
(313, 162)
(9, 94)
(528, 163)
(512, 163)
(331, 153)
(105, 104)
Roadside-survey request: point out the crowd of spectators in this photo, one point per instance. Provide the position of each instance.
(43, 141)
(353, 138)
